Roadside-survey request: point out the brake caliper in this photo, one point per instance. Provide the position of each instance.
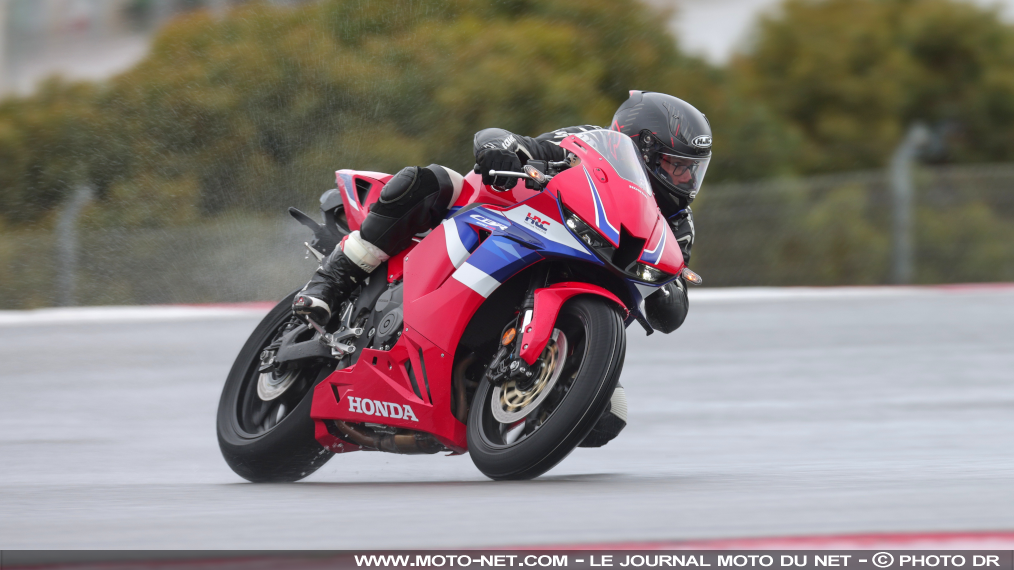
(506, 364)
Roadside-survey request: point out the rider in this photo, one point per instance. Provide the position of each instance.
(674, 140)
(675, 143)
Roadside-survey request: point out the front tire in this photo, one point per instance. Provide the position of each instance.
(269, 441)
(595, 345)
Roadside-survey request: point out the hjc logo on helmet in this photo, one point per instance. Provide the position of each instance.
(703, 141)
(536, 221)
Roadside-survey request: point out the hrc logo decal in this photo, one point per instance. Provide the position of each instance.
(537, 222)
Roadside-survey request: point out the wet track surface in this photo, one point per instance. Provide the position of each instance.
(880, 411)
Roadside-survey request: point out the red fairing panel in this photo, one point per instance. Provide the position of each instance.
(379, 387)
(437, 310)
(601, 197)
(396, 265)
(386, 392)
(355, 211)
(662, 250)
(474, 191)
(548, 302)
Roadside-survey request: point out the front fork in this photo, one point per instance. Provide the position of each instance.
(507, 364)
(538, 319)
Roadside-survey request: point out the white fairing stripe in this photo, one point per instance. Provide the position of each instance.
(656, 253)
(476, 280)
(455, 248)
(598, 204)
(554, 232)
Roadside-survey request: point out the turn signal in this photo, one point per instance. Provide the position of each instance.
(508, 337)
(691, 277)
(536, 174)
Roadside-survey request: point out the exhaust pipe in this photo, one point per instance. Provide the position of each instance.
(413, 443)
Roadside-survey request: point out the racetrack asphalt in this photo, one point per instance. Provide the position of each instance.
(770, 413)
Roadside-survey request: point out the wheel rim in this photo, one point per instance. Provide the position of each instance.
(271, 384)
(265, 399)
(570, 344)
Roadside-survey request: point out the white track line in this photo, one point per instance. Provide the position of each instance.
(161, 313)
(740, 294)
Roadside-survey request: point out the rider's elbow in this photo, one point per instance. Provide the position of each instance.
(667, 308)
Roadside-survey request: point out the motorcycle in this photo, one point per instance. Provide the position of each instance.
(500, 333)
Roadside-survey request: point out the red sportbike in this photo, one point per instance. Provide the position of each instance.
(501, 333)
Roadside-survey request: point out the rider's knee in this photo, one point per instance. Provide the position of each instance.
(406, 188)
(435, 185)
(667, 308)
(415, 200)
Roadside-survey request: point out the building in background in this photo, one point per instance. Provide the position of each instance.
(82, 39)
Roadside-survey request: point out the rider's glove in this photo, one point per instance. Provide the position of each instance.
(498, 159)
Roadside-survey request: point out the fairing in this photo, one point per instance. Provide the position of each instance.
(599, 194)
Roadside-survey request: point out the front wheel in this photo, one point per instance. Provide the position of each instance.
(520, 431)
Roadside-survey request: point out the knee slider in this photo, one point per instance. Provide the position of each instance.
(410, 186)
(399, 185)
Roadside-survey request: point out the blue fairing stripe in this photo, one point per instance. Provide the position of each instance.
(601, 220)
(468, 236)
(500, 258)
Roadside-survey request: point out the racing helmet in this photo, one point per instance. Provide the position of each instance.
(673, 137)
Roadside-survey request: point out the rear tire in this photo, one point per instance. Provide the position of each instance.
(268, 451)
(595, 347)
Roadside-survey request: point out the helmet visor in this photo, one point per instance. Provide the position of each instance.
(684, 175)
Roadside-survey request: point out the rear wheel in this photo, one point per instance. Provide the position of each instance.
(264, 427)
(521, 431)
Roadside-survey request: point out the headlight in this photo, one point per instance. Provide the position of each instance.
(590, 236)
(648, 273)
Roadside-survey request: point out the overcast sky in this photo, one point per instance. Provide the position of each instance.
(713, 28)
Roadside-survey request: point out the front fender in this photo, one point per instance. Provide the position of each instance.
(537, 329)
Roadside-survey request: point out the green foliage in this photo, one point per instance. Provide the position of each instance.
(250, 113)
(257, 110)
(851, 75)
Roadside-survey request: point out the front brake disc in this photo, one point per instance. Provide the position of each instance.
(510, 403)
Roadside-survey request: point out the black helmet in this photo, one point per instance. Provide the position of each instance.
(674, 139)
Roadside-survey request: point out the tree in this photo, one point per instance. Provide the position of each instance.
(257, 110)
(851, 75)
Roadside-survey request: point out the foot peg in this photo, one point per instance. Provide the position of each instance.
(344, 332)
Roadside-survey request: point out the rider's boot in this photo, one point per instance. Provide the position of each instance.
(337, 277)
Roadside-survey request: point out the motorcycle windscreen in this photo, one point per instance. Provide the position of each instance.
(609, 189)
